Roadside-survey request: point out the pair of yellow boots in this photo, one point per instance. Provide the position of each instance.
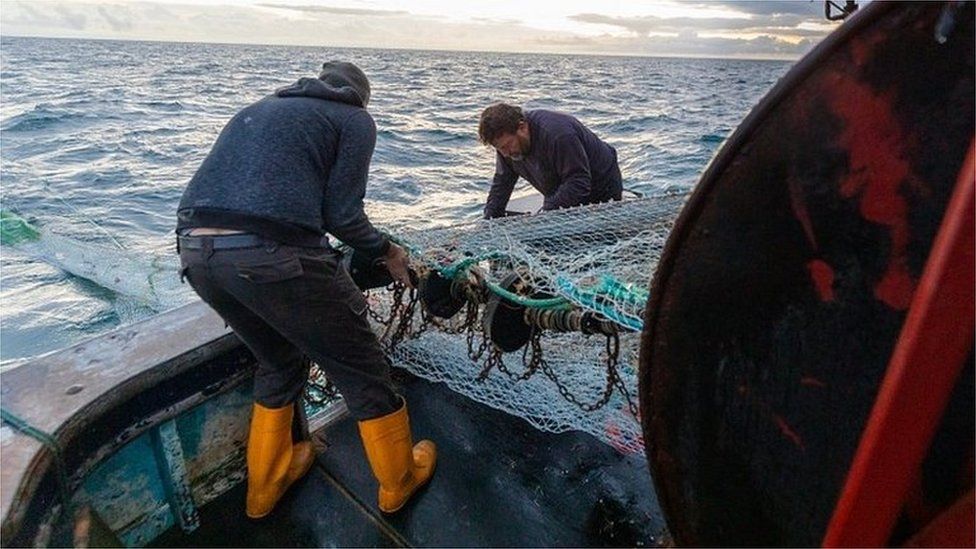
(274, 462)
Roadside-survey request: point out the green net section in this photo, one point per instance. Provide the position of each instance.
(15, 230)
(538, 316)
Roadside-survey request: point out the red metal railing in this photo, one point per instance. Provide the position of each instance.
(925, 365)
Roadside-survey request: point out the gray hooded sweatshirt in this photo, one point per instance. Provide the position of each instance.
(293, 166)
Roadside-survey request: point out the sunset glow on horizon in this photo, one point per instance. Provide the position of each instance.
(784, 29)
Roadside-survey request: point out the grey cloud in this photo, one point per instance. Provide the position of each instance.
(650, 23)
(61, 18)
(496, 21)
(569, 40)
(71, 18)
(688, 44)
(120, 23)
(807, 8)
(335, 11)
(24, 14)
(794, 31)
(640, 25)
(388, 28)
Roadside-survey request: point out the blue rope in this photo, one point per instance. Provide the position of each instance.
(50, 443)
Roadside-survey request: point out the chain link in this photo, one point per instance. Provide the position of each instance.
(496, 360)
(376, 316)
(613, 365)
(570, 397)
(533, 360)
(471, 316)
(399, 326)
(319, 390)
(404, 324)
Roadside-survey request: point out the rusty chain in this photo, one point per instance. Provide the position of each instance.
(399, 326)
(319, 390)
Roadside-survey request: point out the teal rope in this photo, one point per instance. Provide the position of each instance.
(591, 300)
(459, 269)
(613, 288)
(50, 443)
(609, 287)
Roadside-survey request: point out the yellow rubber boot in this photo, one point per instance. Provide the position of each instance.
(400, 467)
(273, 462)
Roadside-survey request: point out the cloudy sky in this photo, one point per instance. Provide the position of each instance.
(758, 29)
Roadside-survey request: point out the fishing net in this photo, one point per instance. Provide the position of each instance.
(535, 315)
(538, 316)
(146, 282)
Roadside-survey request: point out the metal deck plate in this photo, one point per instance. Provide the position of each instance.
(499, 482)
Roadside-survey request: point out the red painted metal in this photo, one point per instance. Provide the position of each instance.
(927, 360)
(786, 282)
(952, 528)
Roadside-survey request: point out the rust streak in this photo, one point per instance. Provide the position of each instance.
(799, 208)
(822, 275)
(811, 381)
(787, 431)
(766, 410)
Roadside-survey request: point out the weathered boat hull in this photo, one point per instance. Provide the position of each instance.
(113, 406)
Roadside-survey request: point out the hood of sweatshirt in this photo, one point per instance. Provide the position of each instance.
(339, 81)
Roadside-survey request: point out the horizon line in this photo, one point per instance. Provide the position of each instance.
(790, 59)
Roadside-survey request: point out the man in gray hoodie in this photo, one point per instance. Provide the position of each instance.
(252, 237)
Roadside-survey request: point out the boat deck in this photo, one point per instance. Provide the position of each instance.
(499, 482)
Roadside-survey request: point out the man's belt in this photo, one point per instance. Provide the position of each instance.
(222, 241)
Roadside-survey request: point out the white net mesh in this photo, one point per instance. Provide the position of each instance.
(147, 280)
(595, 259)
(598, 257)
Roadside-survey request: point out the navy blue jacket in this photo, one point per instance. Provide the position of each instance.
(291, 167)
(566, 162)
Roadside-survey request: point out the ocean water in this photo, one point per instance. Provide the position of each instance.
(98, 139)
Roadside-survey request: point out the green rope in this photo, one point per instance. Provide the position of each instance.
(556, 303)
(459, 269)
(50, 443)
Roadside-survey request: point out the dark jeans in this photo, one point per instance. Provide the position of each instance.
(613, 188)
(285, 302)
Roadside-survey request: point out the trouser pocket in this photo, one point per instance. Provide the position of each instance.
(276, 269)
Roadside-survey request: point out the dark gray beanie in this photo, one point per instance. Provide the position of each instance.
(341, 74)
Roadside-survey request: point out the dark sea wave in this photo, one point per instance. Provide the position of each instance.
(99, 138)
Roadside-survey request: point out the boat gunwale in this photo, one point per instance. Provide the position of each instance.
(169, 345)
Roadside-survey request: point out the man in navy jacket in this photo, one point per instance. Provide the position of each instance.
(554, 152)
